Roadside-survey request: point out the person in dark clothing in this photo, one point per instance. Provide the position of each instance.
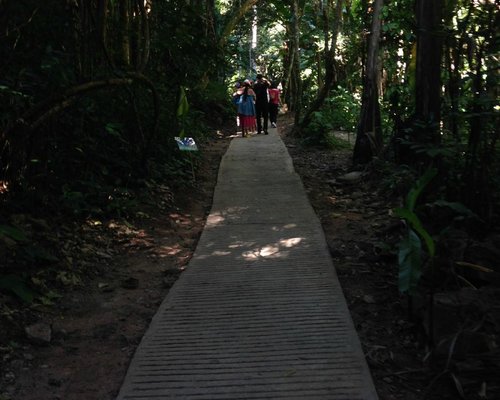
(261, 102)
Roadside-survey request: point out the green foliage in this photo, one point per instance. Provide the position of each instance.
(181, 170)
(396, 180)
(182, 111)
(101, 139)
(344, 108)
(339, 113)
(335, 142)
(410, 265)
(416, 225)
(26, 255)
(429, 150)
(318, 129)
(186, 53)
(84, 198)
(411, 198)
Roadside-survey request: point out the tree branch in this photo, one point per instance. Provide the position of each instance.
(42, 111)
(235, 19)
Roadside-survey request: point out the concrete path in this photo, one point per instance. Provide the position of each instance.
(259, 313)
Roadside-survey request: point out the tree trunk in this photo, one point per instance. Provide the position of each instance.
(144, 49)
(102, 14)
(211, 21)
(329, 62)
(296, 81)
(428, 70)
(287, 67)
(369, 133)
(84, 40)
(235, 18)
(124, 32)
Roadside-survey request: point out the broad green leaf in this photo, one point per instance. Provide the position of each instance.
(420, 185)
(183, 107)
(415, 223)
(410, 263)
(113, 129)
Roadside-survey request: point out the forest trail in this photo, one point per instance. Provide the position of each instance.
(259, 312)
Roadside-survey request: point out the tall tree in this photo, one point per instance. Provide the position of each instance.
(428, 70)
(369, 131)
(295, 81)
(124, 31)
(331, 34)
(237, 13)
(481, 166)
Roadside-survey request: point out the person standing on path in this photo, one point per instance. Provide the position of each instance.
(238, 90)
(274, 102)
(246, 109)
(261, 102)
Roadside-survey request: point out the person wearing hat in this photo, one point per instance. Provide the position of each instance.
(260, 88)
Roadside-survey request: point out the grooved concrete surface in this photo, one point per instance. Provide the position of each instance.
(259, 313)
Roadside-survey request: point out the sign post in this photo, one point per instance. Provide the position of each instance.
(187, 144)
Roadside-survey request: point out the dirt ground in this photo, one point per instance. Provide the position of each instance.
(95, 329)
